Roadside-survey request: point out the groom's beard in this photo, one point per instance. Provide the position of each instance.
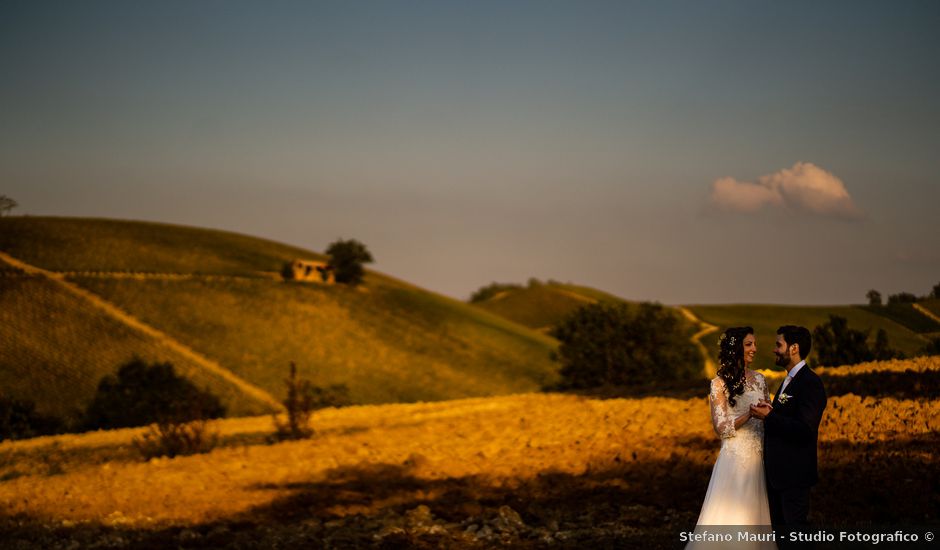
(782, 360)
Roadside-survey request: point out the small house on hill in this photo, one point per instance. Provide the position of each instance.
(310, 271)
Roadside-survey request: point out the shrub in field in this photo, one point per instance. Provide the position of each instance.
(174, 438)
(302, 399)
(932, 347)
(141, 394)
(299, 405)
(19, 420)
(882, 349)
(619, 344)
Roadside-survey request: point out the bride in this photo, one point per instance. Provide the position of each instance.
(737, 492)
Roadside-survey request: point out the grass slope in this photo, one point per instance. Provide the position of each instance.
(767, 318)
(82, 244)
(906, 315)
(54, 349)
(932, 305)
(387, 344)
(387, 341)
(542, 306)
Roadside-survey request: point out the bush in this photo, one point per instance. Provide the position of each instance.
(484, 293)
(932, 347)
(299, 405)
(346, 259)
(287, 271)
(142, 394)
(617, 344)
(302, 399)
(174, 438)
(902, 298)
(19, 420)
(835, 344)
(882, 349)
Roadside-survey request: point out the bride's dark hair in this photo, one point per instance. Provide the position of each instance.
(731, 360)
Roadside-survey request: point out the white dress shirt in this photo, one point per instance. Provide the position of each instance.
(791, 374)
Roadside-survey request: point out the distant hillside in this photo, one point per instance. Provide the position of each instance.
(933, 306)
(54, 349)
(908, 316)
(81, 244)
(217, 294)
(767, 318)
(542, 306)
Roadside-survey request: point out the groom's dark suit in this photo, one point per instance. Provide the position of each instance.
(790, 435)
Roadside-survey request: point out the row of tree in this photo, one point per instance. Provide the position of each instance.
(484, 293)
(624, 345)
(875, 298)
(836, 344)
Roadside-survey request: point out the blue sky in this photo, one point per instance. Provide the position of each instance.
(466, 142)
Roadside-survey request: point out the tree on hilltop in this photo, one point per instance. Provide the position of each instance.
(902, 298)
(484, 293)
(346, 259)
(874, 297)
(6, 204)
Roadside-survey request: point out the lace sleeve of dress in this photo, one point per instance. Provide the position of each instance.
(722, 418)
(763, 385)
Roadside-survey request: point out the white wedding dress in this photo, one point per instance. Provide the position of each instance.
(737, 491)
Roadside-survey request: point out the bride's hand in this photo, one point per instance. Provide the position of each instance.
(761, 410)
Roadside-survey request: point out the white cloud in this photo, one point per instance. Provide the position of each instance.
(803, 187)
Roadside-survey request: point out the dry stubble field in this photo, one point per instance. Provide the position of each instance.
(528, 470)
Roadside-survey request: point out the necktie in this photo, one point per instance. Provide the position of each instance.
(785, 383)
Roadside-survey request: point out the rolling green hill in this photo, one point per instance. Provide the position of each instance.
(213, 292)
(54, 349)
(542, 306)
(81, 244)
(932, 306)
(767, 318)
(906, 315)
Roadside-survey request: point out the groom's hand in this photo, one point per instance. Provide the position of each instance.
(761, 410)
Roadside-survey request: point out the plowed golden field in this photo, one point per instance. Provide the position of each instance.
(525, 470)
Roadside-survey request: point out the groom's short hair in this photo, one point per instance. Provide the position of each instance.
(800, 336)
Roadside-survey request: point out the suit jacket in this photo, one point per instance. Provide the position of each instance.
(791, 432)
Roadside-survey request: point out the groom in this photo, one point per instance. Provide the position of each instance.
(791, 428)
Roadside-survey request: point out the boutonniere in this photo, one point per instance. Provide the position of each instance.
(783, 398)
